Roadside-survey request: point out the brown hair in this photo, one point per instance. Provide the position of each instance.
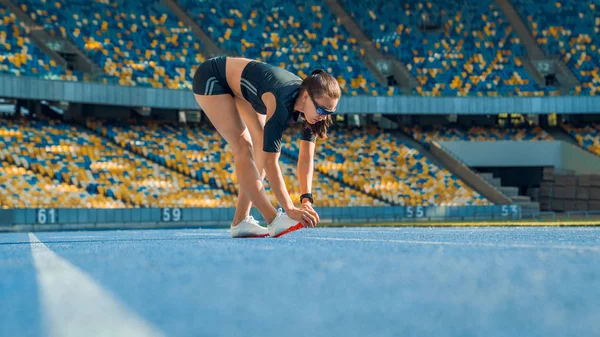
(320, 84)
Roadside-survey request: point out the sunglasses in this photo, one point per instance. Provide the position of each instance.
(321, 110)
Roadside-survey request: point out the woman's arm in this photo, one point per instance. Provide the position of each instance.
(275, 178)
(307, 215)
(306, 160)
(306, 166)
(273, 134)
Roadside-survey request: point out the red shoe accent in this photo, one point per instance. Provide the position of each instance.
(253, 236)
(291, 229)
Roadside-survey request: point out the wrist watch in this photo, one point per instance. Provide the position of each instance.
(308, 196)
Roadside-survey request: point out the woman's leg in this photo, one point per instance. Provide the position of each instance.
(256, 125)
(223, 114)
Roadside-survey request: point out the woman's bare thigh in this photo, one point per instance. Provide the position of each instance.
(223, 114)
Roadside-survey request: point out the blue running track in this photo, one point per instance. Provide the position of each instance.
(311, 283)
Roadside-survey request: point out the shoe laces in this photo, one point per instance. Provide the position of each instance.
(280, 212)
(251, 220)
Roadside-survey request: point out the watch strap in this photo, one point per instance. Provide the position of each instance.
(309, 196)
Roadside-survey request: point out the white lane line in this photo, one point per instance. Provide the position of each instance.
(74, 305)
(473, 244)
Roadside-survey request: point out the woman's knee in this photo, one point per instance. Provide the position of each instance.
(242, 147)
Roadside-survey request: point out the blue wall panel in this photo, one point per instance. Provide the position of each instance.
(223, 216)
(111, 94)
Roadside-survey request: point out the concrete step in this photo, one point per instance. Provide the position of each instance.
(472, 179)
(486, 175)
(521, 199)
(527, 206)
(530, 207)
(509, 191)
(496, 182)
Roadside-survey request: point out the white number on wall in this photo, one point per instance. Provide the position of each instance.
(415, 211)
(171, 214)
(46, 216)
(510, 210)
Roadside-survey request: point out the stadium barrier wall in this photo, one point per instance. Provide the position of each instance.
(6, 217)
(574, 158)
(60, 219)
(113, 94)
(558, 154)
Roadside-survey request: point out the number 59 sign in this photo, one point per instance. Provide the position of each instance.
(171, 215)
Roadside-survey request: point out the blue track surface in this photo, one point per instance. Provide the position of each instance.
(327, 282)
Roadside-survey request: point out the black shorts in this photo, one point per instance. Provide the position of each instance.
(210, 78)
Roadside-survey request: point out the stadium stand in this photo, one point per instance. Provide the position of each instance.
(73, 156)
(375, 161)
(474, 52)
(477, 54)
(331, 193)
(199, 153)
(141, 43)
(477, 133)
(202, 153)
(298, 35)
(135, 42)
(23, 188)
(20, 57)
(571, 30)
(588, 137)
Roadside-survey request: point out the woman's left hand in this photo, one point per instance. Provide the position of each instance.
(308, 206)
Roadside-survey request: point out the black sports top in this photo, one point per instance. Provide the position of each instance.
(259, 78)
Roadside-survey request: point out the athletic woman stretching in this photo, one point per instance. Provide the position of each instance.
(250, 104)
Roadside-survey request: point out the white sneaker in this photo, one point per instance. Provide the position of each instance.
(282, 225)
(249, 228)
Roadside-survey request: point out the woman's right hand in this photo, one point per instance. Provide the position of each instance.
(303, 216)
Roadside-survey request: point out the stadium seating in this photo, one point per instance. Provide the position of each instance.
(20, 57)
(22, 188)
(73, 156)
(135, 42)
(477, 54)
(197, 152)
(201, 153)
(571, 30)
(328, 191)
(142, 43)
(588, 136)
(376, 162)
(299, 35)
(476, 133)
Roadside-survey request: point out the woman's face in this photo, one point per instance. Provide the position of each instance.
(316, 109)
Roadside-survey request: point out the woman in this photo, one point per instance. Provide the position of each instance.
(250, 104)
